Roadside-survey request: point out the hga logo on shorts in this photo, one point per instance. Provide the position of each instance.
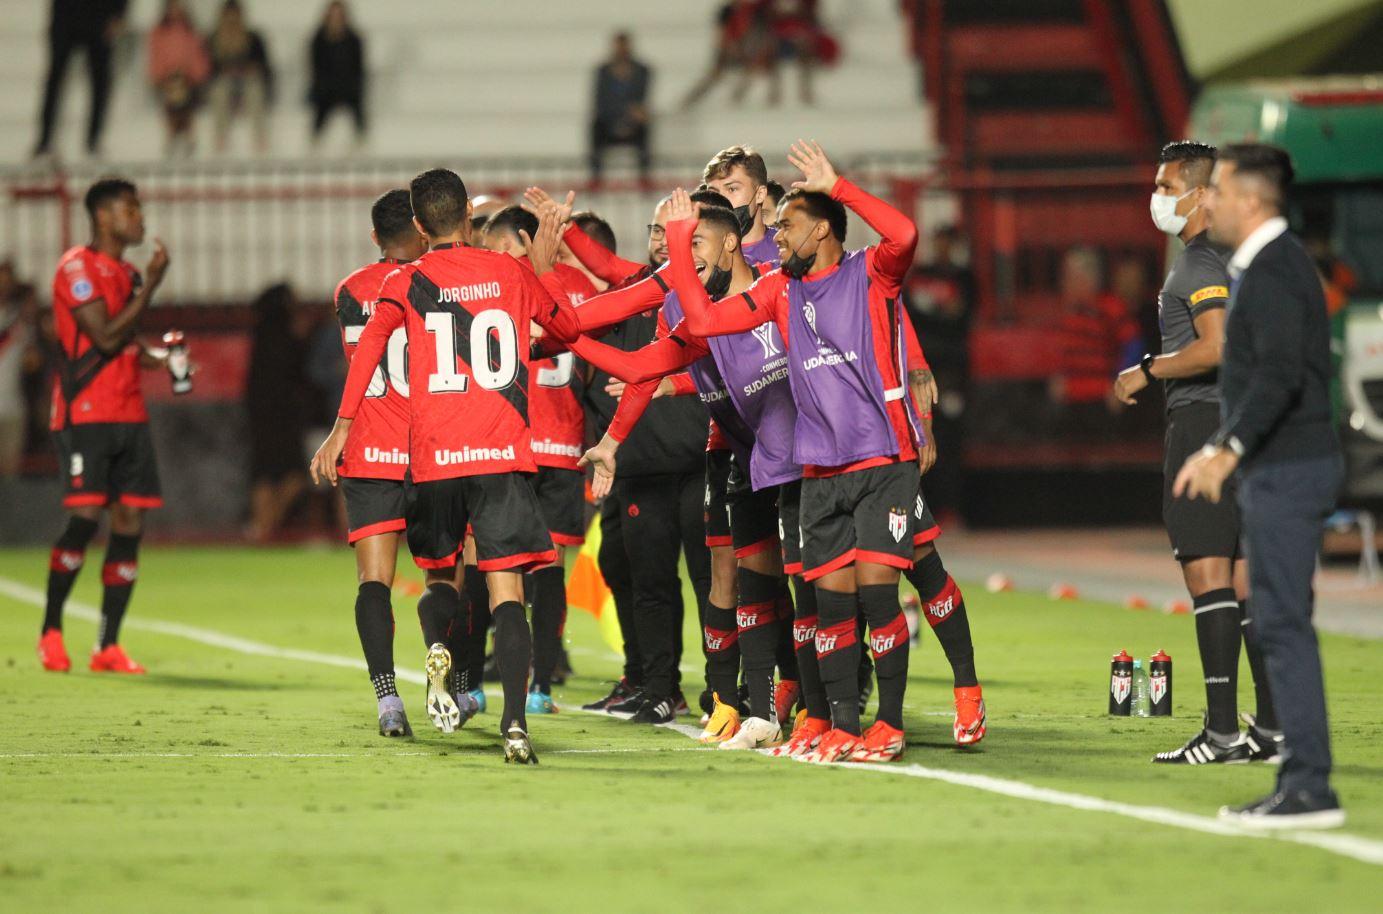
(897, 523)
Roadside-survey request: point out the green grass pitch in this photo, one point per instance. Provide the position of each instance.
(226, 781)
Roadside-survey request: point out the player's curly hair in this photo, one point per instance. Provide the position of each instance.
(392, 216)
(105, 191)
(439, 201)
(820, 206)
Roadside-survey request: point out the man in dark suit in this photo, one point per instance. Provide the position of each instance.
(1276, 430)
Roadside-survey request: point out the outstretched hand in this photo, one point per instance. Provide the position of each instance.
(542, 247)
(818, 174)
(539, 200)
(601, 459)
(680, 206)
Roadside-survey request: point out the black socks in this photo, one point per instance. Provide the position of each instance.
(757, 621)
(513, 652)
(374, 622)
(722, 653)
(888, 642)
(439, 612)
(943, 607)
(838, 655)
(65, 561)
(118, 575)
(549, 605)
(1218, 633)
(804, 638)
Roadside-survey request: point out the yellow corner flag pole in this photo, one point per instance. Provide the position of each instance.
(587, 589)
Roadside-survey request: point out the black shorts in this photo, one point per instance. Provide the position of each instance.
(866, 515)
(753, 515)
(1196, 527)
(925, 528)
(790, 525)
(373, 506)
(717, 506)
(562, 499)
(105, 463)
(501, 511)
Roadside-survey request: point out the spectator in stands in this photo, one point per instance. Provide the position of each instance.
(178, 67)
(17, 351)
(621, 106)
(733, 23)
(91, 26)
(274, 405)
(1097, 335)
(798, 36)
(338, 71)
(242, 81)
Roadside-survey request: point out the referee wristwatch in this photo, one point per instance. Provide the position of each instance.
(1228, 442)
(1146, 364)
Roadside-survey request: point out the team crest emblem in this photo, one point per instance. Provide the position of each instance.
(764, 333)
(897, 524)
(1158, 688)
(1119, 687)
(809, 312)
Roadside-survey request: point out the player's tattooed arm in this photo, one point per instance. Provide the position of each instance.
(112, 334)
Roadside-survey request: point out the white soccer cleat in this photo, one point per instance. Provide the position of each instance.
(441, 707)
(754, 733)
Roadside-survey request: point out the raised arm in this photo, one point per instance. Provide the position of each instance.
(615, 305)
(891, 258)
(735, 314)
(661, 357)
(597, 258)
(112, 334)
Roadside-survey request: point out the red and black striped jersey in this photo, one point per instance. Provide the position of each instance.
(378, 443)
(466, 314)
(91, 386)
(558, 419)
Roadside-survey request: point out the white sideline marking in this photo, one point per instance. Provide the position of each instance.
(1365, 850)
(383, 754)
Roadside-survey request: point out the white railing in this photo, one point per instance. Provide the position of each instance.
(233, 228)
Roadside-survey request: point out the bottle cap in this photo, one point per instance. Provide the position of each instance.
(1122, 657)
(1137, 664)
(1160, 657)
(172, 338)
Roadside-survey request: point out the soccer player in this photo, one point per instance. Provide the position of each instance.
(1204, 535)
(559, 428)
(738, 173)
(857, 434)
(742, 379)
(99, 418)
(376, 456)
(467, 313)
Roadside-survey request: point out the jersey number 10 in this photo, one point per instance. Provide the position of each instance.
(494, 356)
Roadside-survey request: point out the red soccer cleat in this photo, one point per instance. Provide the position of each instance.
(835, 746)
(52, 653)
(784, 697)
(882, 743)
(969, 726)
(113, 659)
(804, 738)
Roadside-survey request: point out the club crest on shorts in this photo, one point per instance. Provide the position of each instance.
(897, 523)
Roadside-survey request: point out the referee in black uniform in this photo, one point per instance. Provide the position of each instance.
(1204, 536)
(1276, 430)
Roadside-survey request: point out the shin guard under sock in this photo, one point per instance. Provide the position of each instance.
(888, 642)
(757, 621)
(943, 606)
(1218, 634)
(118, 574)
(549, 605)
(838, 655)
(64, 563)
(513, 653)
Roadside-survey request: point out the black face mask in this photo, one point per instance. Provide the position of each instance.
(718, 283)
(798, 266)
(745, 216)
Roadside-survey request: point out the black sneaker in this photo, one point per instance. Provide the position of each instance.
(628, 705)
(620, 692)
(1289, 809)
(655, 711)
(1264, 745)
(1202, 750)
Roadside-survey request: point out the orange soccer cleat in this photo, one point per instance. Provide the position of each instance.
(785, 695)
(882, 743)
(52, 653)
(835, 746)
(804, 738)
(969, 727)
(113, 659)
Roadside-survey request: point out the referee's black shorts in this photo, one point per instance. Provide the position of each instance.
(1197, 528)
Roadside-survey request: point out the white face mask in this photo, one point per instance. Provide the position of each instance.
(1164, 212)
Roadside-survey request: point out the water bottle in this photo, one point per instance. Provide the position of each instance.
(1160, 681)
(179, 366)
(1142, 699)
(1120, 674)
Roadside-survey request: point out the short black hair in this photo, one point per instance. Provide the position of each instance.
(820, 206)
(107, 190)
(439, 200)
(708, 197)
(1270, 164)
(392, 216)
(722, 218)
(511, 219)
(775, 191)
(596, 228)
(1196, 158)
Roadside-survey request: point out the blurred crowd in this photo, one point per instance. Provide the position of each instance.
(225, 70)
(755, 37)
